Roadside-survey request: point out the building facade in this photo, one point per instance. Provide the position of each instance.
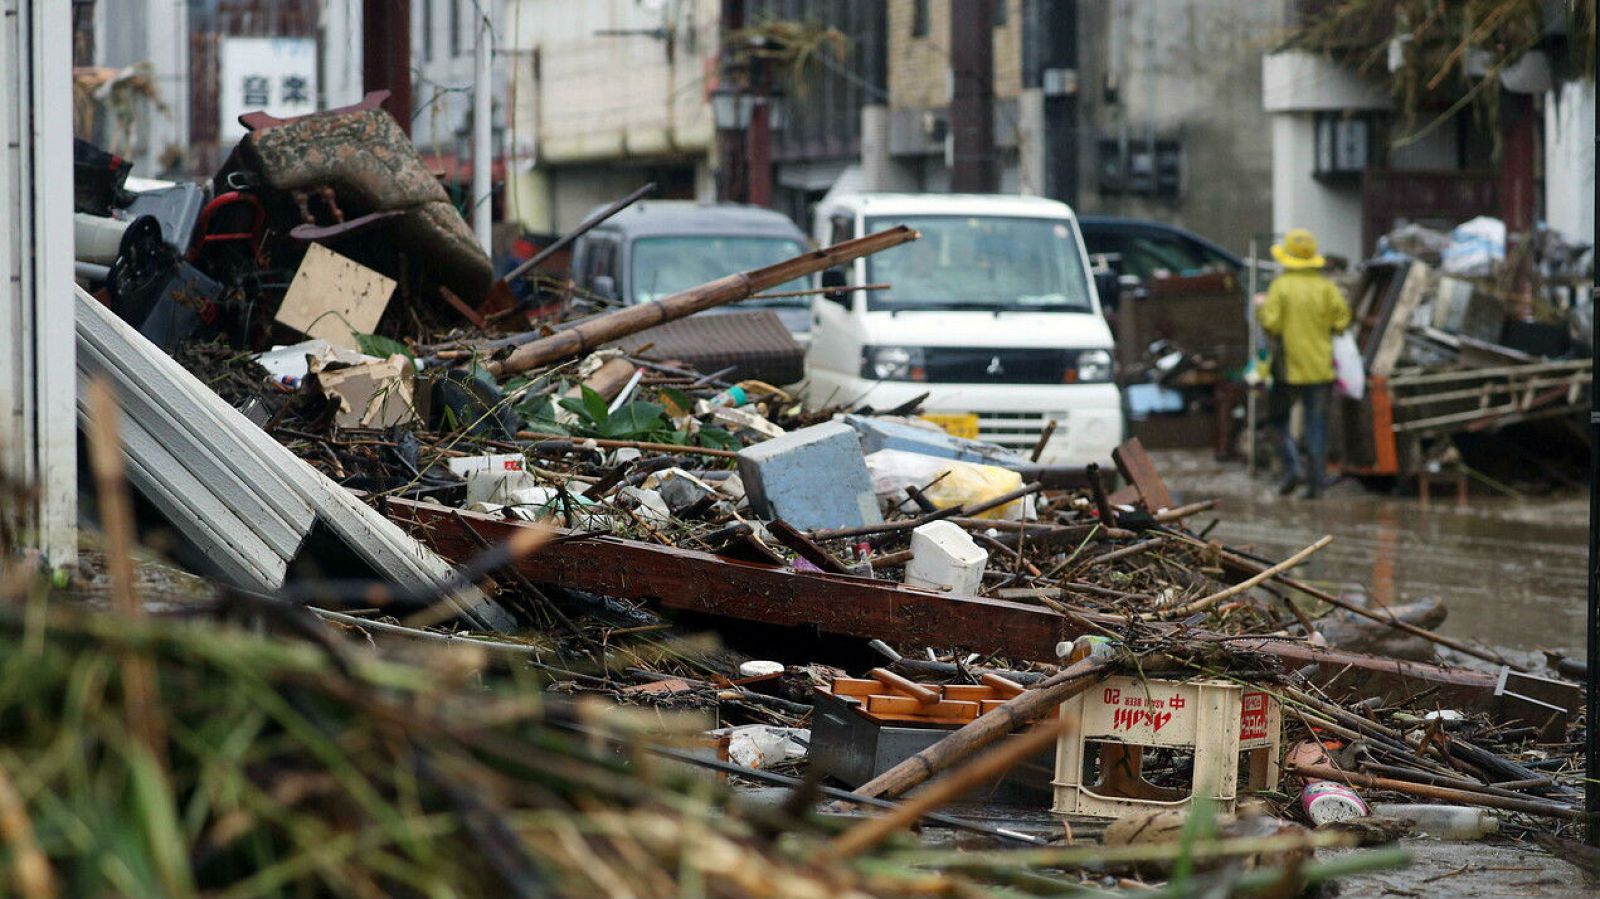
(605, 96)
(1171, 117)
(1351, 166)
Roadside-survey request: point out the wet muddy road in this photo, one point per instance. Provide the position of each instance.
(1511, 572)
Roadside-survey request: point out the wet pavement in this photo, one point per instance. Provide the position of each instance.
(1478, 870)
(1511, 571)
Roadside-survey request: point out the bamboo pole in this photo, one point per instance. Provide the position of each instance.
(988, 728)
(603, 329)
(1166, 516)
(140, 690)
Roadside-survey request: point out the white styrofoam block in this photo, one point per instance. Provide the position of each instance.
(945, 557)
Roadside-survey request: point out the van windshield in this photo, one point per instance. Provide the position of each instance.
(980, 262)
(666, 265)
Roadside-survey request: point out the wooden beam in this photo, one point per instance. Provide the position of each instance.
(1135, 465)
(696, 581)
(860, 607)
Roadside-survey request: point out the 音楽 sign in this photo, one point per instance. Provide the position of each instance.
(275, 74)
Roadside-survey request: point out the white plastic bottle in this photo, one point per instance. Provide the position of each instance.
(1446, 822)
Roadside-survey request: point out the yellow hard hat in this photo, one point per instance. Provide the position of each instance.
(1298, 250)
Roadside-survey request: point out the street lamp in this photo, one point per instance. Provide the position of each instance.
(731, 108)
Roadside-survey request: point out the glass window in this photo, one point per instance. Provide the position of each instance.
(666, 265)
(1153, 256)
(919, 18)
(455, 28)
(981, 262)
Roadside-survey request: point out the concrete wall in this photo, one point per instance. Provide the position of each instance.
(1188, 70)
(594, 100)
(1569, 159)
(341, 48)
(1296, 87)
(919, 95)
(1331, 211)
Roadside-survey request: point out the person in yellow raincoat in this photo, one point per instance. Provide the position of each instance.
(1304, 310)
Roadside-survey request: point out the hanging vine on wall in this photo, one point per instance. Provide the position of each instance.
(1449, 53)
(799, 51)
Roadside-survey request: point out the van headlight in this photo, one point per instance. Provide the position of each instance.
(1091, 367)
(893, 363)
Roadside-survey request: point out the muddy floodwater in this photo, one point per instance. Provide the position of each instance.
(1511, 571)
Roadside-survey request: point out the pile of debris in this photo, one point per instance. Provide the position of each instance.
(890, 603)
(1464, 335)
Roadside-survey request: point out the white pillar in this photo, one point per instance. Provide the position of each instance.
(482, 155)
(341, 47)
(38, 418)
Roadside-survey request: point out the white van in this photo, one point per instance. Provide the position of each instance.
(993, 314)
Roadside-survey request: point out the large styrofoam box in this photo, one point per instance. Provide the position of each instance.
(812, 478)
(945, 557)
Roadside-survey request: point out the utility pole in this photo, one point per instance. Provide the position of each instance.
(973, 166)
(386, 54)
(733, 183)
(758, 138)
(482, 152)
(1591, 733)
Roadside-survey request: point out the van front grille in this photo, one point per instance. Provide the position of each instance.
(954, 365)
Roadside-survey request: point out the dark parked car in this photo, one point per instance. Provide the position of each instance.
(1149, 249)
(659, 247)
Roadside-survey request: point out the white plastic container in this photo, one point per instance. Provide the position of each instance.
(944, 557)
(493, 479)
(1446, 822)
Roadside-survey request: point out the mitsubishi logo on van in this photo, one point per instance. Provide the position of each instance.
(995, 369)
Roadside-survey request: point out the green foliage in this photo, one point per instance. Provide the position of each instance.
(382, 347)
(639, 420)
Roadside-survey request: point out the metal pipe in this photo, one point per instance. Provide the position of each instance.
(581, 230)
(1250, 393)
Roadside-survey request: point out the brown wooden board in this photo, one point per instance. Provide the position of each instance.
(1138, 470)
(701, 582)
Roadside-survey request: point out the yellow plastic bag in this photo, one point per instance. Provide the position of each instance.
(954, 482)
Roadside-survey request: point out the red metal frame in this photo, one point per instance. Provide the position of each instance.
(258, 226)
